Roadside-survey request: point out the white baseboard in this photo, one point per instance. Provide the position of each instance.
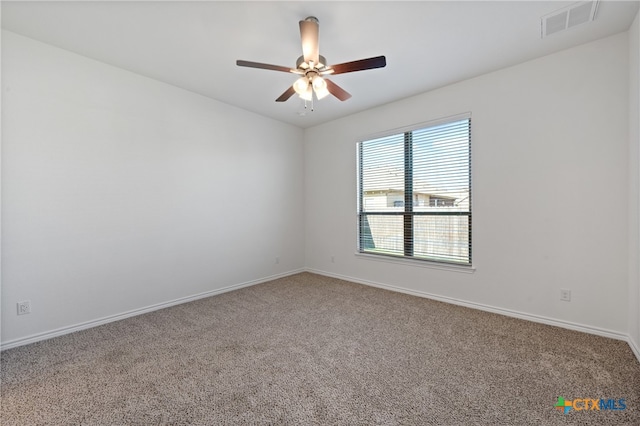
(635, 347)
(507, 312)
(111, 318)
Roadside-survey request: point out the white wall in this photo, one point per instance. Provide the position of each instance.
(550, 182)
(634, 187)
(120, 192)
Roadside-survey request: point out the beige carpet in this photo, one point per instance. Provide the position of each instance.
(308, 349)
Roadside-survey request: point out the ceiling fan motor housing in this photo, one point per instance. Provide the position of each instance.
(302, 65)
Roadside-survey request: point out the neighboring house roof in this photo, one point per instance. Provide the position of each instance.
(388, 179)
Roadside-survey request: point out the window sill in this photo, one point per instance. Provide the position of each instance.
(419, 263)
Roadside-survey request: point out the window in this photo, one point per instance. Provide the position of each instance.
(414, 193)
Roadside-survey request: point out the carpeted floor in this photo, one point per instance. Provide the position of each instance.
(308, 349)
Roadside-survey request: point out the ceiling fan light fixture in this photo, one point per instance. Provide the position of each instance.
(301, 85)
(319, 83)
(320, 87)
(321, 94)
(307, 95)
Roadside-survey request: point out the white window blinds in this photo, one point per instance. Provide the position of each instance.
(414, 192)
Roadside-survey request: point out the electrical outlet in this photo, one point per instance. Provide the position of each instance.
(277, 260)
(24, 307)
(565, 295)
(333, 259)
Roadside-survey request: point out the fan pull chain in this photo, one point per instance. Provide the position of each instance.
(305, 104)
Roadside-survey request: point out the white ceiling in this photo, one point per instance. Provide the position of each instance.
(194, 45)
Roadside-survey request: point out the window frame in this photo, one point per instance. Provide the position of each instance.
(408, 213)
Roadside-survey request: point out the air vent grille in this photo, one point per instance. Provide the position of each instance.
(568, 17)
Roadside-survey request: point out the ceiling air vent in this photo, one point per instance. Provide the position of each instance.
(568, 17)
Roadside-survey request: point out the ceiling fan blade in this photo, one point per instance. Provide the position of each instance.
(250, 64)
(309, 30)
(360, 65)
(337, 91)
(286, 95)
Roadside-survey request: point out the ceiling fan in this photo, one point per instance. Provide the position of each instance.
(312, 67)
